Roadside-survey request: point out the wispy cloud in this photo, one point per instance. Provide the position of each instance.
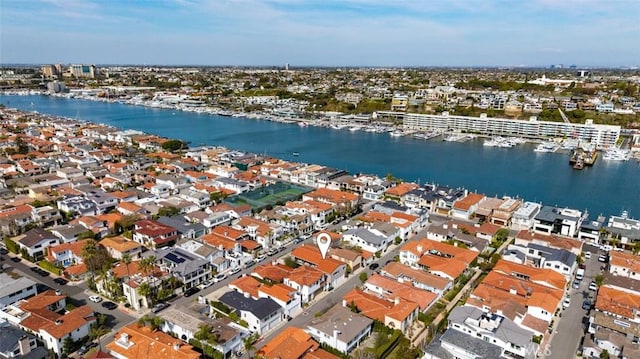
(333, 32)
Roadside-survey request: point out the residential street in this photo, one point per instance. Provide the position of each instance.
(570, 330)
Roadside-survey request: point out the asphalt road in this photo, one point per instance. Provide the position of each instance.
(573, 324)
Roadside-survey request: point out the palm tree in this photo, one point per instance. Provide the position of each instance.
(126, 260)
(145, 290)
(96, 331)
(156, 322)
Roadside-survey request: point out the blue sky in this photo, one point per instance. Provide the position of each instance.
(322, 32)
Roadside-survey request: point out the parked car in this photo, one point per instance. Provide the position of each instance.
(261, 257)
(85, 348)
(60, 281)
(206, 284)
(593, 286)
(158, 307)
(576, 284)
(191, 291)
(272, 251)
(234, 271)
(587, 255)
(219, 277)
(603, 258)
(16, 259)
(374, 266)
(249, 263)
(95, 298)
(109, 305)
(586, 305)
(566, 302)
(3, 251)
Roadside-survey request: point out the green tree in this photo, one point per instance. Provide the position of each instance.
(87, 234)
(126, 260)
(168, 211)
(636, 247)
(11, 245)
(145, 290)
(290, 262)
(173, 145)
(501, 235)
(363, 277)
(599, 279)
(68, 345)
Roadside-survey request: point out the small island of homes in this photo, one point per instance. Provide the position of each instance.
(121, 244)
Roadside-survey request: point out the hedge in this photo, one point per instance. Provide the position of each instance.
(50, 267)
(388, 347)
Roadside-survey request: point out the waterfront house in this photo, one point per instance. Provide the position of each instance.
(626, 230)
(466, 206)
(524, 216)
(562, 221)
(591, 231)
(340, 328)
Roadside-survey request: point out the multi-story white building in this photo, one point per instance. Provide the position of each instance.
(601, 136)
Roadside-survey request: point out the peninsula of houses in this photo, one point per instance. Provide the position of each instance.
(119, 245)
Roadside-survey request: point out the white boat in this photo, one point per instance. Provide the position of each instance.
(302, 124)
(354, 128)
(546, 147)
(396, 134)
(616, 154)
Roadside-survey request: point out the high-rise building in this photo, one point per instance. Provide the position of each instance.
(87, 71)
(52, 70)
(286, 67)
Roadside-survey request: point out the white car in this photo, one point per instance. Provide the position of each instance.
(587, 255)
(602, 258)
(566, 302)
(95, 298)
(593, 286)
(219, 277)
(261, 258)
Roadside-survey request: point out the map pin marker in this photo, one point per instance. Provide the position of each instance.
(323, 240)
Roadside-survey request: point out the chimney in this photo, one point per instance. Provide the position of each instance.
(58, 292)
(176, 346)
(247, 295)
(396, 301)
(445, 226)
(58, 321)
(344, 303)
(124, 338)
(23, 345)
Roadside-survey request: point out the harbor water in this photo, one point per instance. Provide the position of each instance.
(606, 188)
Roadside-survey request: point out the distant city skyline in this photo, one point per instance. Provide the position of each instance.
(322, 32)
